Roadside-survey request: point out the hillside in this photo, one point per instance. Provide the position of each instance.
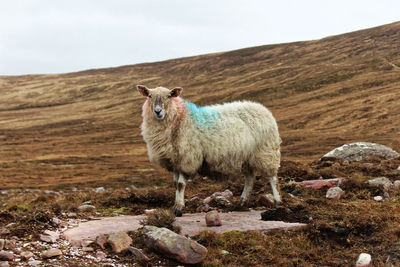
(83, 126)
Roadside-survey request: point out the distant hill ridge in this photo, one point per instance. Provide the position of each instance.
(324, 93)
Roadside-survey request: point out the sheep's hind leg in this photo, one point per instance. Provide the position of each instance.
(248, 186)
(180, 185)
(273, 182)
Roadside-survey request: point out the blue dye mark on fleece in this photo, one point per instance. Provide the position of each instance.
(203, 116)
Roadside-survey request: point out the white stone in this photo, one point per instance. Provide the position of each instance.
(334, 193)
(378, 198)
(396, 184)
(364, 260)
(100, 189)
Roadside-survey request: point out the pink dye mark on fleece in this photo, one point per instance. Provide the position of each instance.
(146, 108)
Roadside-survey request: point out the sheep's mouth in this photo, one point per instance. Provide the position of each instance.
(159, 116)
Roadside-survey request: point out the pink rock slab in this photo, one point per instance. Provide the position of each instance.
(318, 184)
(191, 224)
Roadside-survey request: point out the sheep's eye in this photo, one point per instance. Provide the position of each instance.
(149, 96)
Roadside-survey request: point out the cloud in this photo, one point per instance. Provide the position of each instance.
(46, 36)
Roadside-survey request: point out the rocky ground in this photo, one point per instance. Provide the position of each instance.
(349, 208)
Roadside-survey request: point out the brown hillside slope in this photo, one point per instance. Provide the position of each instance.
(84, 126)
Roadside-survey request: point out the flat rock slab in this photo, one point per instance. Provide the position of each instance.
(192, 224)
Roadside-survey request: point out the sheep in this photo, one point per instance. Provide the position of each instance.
(237, 138)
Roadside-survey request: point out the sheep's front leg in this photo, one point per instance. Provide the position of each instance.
(248, 186)
(180, 185)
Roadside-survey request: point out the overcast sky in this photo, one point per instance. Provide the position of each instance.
(54, 36)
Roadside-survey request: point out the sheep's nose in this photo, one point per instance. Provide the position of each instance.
(157, 111)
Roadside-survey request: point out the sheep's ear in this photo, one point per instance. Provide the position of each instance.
(176, 92)
(143, 90)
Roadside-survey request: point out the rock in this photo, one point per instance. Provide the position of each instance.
(53, 252)
(203, 208)
(213, 218)
(86, 208)
(266, 200)
(72, 215)
(87, 249)
(5, 255)
(149, 211)
(119, 241)
(222, 198)
(49, 236)
(100, 190)
(2, 244)
(345, 162)
(173, 245)
(101, 240)
(378, 198)
(381, 182)
(35, 263)
(4, 264)
(396, 185)
(398, 168)
(334, 193)
(320, 183)
(364, 260)
(131, 188)
(101, 255)
(360, 151)
(4, 231)
(56, 221)
(225, 252)
(26, 254)
(222, 201)
(139, 255)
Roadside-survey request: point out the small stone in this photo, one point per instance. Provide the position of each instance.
(101, 255)
(5, 255)
(149, 211)
(26, 254)
(225, 252)
(86, 208)
(334, 193)
(139, 255)
(213, 218)
(88, 249)
(378, 198)
(398, 168)
(100, 190)
(119, 241)
(381, 182)
(4, 231)
(4, 264)
(345, 162)
(56, 221)
(72, 215)
(131, 188)
(2, 244)
(396, 185)
(53, 252)
(364, 260)
(35, 263)
(266, 200)
(101, 240)
(49, 236)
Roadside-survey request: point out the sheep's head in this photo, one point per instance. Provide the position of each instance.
(159, 98)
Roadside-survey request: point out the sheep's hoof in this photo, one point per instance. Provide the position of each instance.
(177, 211)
